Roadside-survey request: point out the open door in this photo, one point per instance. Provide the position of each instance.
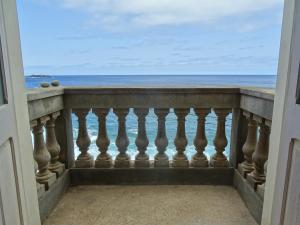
(18, 197)
(282, 194)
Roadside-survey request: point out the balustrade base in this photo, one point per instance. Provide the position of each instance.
(102, 163)
(261, 190)
(122, 164)
(182, 163)
(141, 163)
(199, 162)
(49, 199)
(219, 162)
(243, 171)
(161, 160)
(152, 176)
(161, 163)
(58, 169)
(254, 182)
(40, 189)
(84, 163)
(48, 182)
(251, 198)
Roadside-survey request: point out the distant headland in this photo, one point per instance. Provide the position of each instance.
(39, 75)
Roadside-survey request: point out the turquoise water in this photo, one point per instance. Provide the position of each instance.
(151, 124)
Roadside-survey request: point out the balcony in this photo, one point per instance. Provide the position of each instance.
(223, 187)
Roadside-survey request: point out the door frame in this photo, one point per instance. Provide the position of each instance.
(284, 125)
(15, 83)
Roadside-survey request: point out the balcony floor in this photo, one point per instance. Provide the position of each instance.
(151, 205)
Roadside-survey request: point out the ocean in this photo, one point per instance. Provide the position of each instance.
(266, 81)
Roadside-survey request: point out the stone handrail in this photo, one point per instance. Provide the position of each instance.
(52, 108)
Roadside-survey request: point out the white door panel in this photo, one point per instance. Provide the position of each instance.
(18, 197)
(281, 200)
(8, 174)
(8, 191)
(6, 119)
(292, 215)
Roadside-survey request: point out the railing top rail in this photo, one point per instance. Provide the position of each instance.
(44, 101)
(264, 93)
(258, 101)
(253, 99)
(152, 90)
(40, 93)
(152, 97)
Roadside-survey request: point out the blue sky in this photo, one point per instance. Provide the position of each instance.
(78, 37)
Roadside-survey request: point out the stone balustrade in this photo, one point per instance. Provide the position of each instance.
(141, 160)
(48, 103)
(51, 109)
(46, 153)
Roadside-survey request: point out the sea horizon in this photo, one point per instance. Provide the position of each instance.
(267, 81)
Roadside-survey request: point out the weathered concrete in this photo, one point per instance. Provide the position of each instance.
(43, 101)
(138, 176)
(258, 103)
(64, 135)
(264, 93)
(252, 200)
(41, 93)
(155, 205)
(45, 106)
(49, 199)
(238, 137)
(147, 97)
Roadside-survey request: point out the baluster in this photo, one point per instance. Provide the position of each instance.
(39, 187)
(161, 141)
(200, 141)
(103, 159)
(249, 146)
(53, 147)
(260, 155)
(180, 159)
(41, 155)
(142, 159)
(122, 141)
(261, 187)
(84, 160)
(220, 141)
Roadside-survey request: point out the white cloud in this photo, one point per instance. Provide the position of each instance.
(165, 12)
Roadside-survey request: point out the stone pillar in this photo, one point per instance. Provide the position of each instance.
(220, 141)
(180, 159)
(103, 159)
(84, 160)
(238, 135)
(64, 136)
(161, 141)
(53, 147)
(41, 155)
(122, 141)
(142, 159)
(200, 141)
(260, 155)
(249, 146)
